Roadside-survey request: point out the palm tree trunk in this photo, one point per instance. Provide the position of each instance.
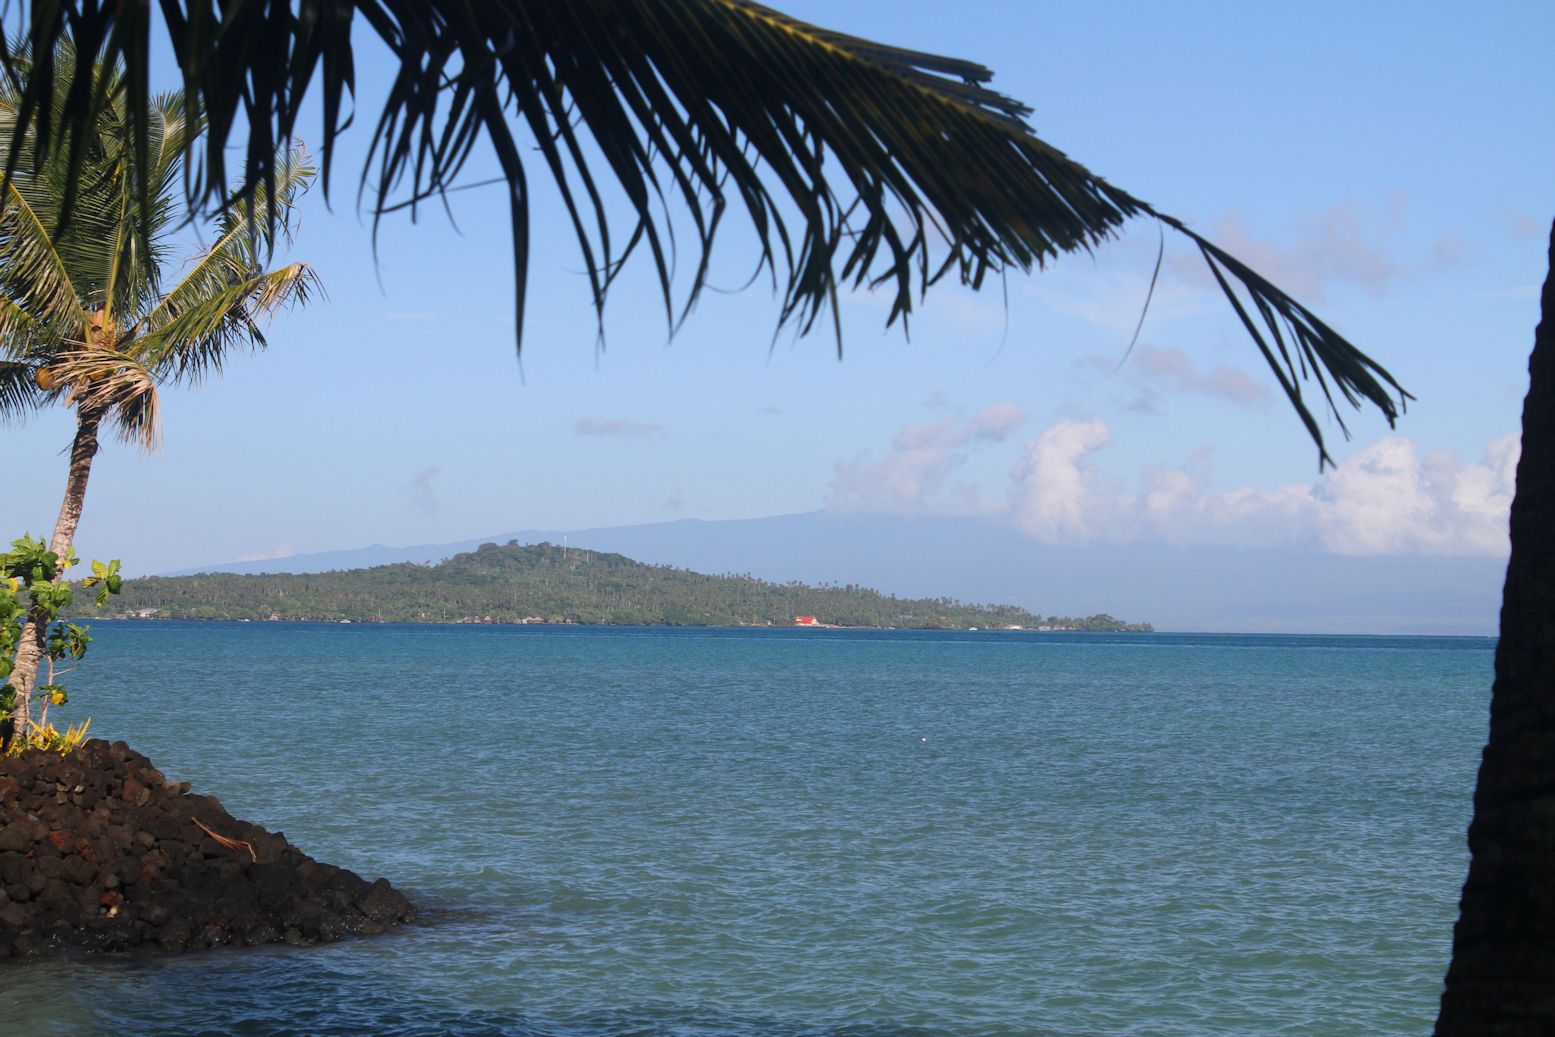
(1502, 976)
(35, 633)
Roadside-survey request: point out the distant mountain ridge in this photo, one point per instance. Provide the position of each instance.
(430, 554)
(357, 557)
(1178, 587)
(548, 583)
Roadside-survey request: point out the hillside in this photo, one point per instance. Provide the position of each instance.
(552, 584)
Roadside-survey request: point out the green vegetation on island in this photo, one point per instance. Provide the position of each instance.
(548, 583)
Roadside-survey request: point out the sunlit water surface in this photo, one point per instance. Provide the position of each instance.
(635, 831)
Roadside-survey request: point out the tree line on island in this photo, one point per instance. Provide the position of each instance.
(549, 583)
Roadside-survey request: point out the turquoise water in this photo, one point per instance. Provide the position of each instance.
(633, 831)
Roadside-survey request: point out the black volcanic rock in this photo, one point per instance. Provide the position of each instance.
(99, 850)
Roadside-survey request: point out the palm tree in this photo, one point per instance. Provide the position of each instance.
(1502, 976)
(721, 103)
(86, 319)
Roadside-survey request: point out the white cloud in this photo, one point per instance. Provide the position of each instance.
(1385, 498)
(1055, 495)
(996, 422)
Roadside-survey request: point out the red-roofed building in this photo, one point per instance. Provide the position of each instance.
(806, 621)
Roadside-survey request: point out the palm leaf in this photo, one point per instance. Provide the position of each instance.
(22, 335)
(33, 273)
(82, 300)
(218, 304)
(192, 341)
(243, 239)
(19, 392)
(856, 163)
(108, 382)
(129, 272)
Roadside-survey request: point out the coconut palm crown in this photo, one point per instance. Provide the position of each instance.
(88, 317)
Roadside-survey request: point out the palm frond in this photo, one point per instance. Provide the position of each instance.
(193, 339)
(33, 274)
(1298, 345)
(81, 310)
(243, 238)
(119, 386)
(219, 303)
(19, 392)
(856, 163)
(22, 335)
(112, 246)
(128, 272)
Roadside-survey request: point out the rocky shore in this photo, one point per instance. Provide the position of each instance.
(98, 850)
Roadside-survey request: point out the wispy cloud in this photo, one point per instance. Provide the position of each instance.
(423, 496)
(915, 473)
(623, 428)
(1521, 291)
(1523, 225)
(1174, 370)
(937, 400)
(1360, 243)
(1150, 373)
(1114, 301)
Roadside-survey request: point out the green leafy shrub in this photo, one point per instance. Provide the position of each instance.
(33, 592)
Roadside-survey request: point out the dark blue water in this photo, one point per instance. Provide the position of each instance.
(633, 831)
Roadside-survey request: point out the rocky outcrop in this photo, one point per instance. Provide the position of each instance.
(98, 850)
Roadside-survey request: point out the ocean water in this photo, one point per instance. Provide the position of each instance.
(780, 832)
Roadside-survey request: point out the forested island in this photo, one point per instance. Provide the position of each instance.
(547, 583)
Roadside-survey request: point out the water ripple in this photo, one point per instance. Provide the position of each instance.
(883, 835)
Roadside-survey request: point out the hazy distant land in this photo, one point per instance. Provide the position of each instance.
(1178, 586)
(550, 583)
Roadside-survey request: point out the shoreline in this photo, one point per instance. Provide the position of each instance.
(1132, 629)
(1160, 632)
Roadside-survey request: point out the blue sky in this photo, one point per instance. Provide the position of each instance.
(1388, 163)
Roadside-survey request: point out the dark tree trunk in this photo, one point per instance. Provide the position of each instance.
(1502, 977)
